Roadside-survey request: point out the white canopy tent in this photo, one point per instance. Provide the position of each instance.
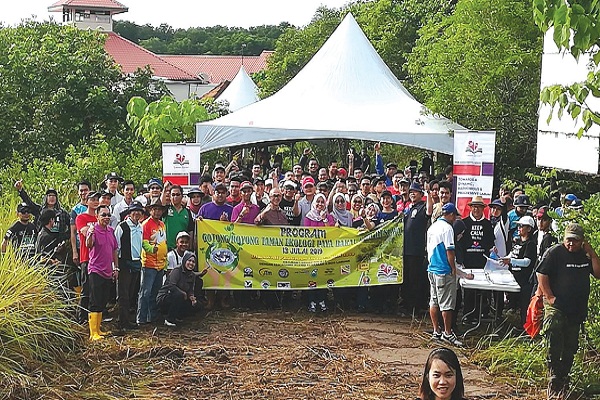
(345, 91)
(241, 92)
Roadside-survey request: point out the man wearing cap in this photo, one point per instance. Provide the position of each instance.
(309, 189)
(154, 262)
(441, 272)
(475, 244)
(62, 226)
(22, 234)
(219, 174)
(155, 188)
(522, 206)
(245, 212)
(564, 280)
(82, 223)
(521, 261)
(129, 240)
(177, 218)
(289, 203)
(112, 181)
(414, 287)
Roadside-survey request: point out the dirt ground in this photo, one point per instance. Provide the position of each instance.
(273, 355)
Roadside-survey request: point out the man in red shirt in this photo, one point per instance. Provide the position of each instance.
(82, 224)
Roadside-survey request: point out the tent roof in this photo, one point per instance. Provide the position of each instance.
(241, 91)
(345, 91)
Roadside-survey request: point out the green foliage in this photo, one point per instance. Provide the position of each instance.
(35, 328)
(209, 40)
(576, 26)
(482, 69)
(58, 87)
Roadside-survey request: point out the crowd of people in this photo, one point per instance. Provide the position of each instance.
(141, 245)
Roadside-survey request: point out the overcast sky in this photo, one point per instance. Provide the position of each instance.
(188, 13)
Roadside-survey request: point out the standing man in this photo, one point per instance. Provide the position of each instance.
(120, 209)
(245, 211)
(83, 222)
(308, 187)
(177, 218)
(414, 287)
(154, 262)
(112, 181)
(22, 234)
(289, 203)
(83, 188)
(103, 267)
(129, 240)
(564, 280)
(475, 244)
(442, 274)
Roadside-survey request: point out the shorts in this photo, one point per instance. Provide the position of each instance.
(442, 291)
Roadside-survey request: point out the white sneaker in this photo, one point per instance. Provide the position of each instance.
(436, 335)
(323, 306)
(451, 338)
(312, 307)
(170, 324)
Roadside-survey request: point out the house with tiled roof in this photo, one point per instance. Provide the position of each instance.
(98, 14)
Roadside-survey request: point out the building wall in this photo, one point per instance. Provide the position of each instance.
(183, 90)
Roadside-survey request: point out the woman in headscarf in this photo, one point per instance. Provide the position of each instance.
(341, 215)
(318, 216)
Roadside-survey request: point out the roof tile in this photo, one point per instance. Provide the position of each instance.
(106, 4)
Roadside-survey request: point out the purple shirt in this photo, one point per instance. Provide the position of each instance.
(248, 218)
(310, 222)
(213, 212)
(101, 254)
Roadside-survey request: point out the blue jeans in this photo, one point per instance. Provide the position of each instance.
(150, 282)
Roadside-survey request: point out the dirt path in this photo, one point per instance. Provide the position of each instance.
(275, 355)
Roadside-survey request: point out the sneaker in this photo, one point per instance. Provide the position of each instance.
(323, 306)
(312, 307)
(451, 338)
(436, 335)
(169, 323)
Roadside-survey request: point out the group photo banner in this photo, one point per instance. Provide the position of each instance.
(249, 257)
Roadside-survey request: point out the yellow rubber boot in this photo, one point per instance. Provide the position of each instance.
(93, 323)
(98, 326)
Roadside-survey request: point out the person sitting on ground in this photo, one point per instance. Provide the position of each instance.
(178, 295)
(442, 377)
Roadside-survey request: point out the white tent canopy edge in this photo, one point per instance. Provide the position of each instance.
(345, 91)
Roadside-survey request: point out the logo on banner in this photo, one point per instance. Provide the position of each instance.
(473, 147)
(180, 160)
(387, 273)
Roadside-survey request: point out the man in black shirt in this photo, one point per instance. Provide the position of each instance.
(564, 280)
(21, 235)
(289, 203)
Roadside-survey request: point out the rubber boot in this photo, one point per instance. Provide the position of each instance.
(93, 324)
(98, 322)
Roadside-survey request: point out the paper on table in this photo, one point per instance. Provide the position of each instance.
(494, 265)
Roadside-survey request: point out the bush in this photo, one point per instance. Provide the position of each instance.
(35, 327)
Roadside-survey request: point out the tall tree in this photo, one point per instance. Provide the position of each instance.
(58, 87)
(480, 66)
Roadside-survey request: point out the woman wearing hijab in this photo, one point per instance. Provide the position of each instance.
(178, 294)
(316, 217)
(341, 215)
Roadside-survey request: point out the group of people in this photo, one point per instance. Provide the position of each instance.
(140, 245)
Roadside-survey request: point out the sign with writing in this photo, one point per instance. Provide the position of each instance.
(181, 163)
(473, 169)
(242, 256)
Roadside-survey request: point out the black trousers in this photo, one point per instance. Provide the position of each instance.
(415, 285)
(84, 298)
(99, 291)
(128, 288)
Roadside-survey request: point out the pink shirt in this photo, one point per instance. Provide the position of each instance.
(310, 222)
(101, 254)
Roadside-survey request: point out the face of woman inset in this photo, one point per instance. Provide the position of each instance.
(442, 379)
(320, 204)
(190, 264)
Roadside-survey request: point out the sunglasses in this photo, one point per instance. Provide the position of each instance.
(155, 188)
(105, 214)
(175, 194)
(275, 195)
(340, 201)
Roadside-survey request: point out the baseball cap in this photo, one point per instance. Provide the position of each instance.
(23, 208)
(246, 185)
(522, 201)
(221, 186)
(219, 166)
(574, 231)
(542, 212)
(182, 234)
(91, 195)
(342, 171)
(526, 220)
(449, 208)
(415, 187)
(155, 181)
(576, 204)
(113, 175)
(289, 183)
(391, 165)
(570, 197)
(106, 193)
(135, 206)
(307, 180)
(496, 203)
(269, 182)
(386, 193)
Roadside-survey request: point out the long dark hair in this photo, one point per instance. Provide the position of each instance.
(449, 357)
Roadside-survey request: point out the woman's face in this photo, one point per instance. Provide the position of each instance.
(442, 380)
(190, 264)
(371, 212)
(320, 204)
(340, 203)
(357, 204)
